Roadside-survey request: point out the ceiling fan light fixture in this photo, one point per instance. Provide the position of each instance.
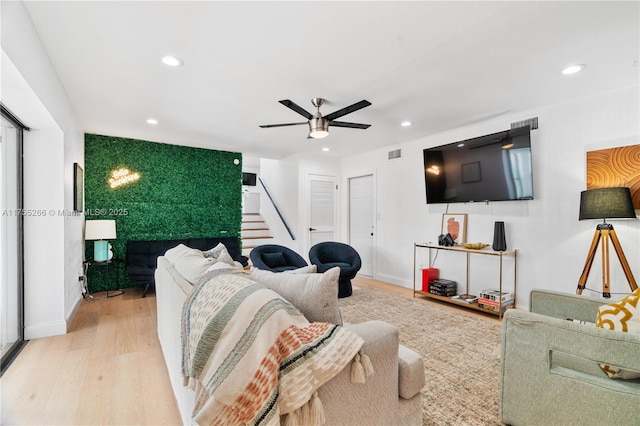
(318, 128)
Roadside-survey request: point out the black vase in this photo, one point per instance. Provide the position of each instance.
(499, 241)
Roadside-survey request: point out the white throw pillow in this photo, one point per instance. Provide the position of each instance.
(174, 253)
(188, 262)
(311, 269)
(315, 295)
(220, 254)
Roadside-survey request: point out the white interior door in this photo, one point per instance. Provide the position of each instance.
(361, 220)
(322, 208)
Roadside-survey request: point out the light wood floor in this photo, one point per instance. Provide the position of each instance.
(108, 369)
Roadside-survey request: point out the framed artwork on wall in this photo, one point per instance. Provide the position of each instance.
(614, 167)
(456, 225)
(78, 188)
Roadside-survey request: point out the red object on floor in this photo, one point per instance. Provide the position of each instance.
(429, 274)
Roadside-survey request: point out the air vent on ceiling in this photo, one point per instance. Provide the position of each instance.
(396, 153)
(531, 122)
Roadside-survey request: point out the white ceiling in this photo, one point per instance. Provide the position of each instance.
(440, 65)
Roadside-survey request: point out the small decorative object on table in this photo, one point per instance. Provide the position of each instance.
(455, 224)
(499, 240)
(474, 246)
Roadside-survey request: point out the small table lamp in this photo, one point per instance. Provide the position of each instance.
(100, 230)
(606, 203)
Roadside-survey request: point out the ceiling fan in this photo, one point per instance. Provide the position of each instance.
(319, 125)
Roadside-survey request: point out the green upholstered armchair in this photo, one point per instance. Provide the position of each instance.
(550, 373)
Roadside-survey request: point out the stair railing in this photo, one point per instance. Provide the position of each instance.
(275, 206)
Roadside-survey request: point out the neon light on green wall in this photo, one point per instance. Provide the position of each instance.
(182, 192)
(122, 176)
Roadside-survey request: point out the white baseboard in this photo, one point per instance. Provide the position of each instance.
(73, 312)
(45, 330)
(392, 279)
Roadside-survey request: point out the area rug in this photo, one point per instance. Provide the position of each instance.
(461, 352)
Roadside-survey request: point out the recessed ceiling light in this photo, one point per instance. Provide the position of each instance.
(460, 145)
(152, 121)
(325, 149)
(406, 123)
(572, 69)
(172, 61)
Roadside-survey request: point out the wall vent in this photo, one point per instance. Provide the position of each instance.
(396, 153)
(531, 122)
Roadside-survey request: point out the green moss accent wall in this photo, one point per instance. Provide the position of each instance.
(182, 192)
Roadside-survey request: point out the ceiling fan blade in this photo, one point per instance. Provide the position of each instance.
(266, 126)
(347, 110)
(350, 125)
(297, 108)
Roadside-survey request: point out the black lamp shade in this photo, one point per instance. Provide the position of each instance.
(606, 203)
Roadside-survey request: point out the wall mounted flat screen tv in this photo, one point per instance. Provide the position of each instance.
(494, 167)
(249, 179)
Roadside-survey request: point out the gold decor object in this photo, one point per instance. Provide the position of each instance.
(475, 246)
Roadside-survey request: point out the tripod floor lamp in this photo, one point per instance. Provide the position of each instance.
(606, 203)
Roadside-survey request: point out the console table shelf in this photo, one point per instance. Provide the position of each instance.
(468, 253)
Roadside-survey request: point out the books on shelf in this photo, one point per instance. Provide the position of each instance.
(495, 295)
(466, 298)
(495, 308)
(493, 300)
(442, 287)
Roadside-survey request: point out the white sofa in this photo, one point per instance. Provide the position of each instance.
(390, 397)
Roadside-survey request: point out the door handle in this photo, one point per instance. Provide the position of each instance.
(312, 229)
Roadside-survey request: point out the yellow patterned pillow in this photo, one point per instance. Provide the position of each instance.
(621, 316)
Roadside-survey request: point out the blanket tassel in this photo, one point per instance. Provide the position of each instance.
(305, 414)
(316, 410)
(311, 413)
(292, 419)
(366, 364)
(361, 368)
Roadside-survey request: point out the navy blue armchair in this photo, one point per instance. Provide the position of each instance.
(276, 258)
(329, 254)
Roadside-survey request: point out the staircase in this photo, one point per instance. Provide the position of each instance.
(255, 232)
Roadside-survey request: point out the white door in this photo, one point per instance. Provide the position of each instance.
(361, 220)
(322, 208)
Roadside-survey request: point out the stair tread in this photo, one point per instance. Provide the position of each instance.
(257, 237)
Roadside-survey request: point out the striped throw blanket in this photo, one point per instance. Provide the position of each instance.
(251, 356)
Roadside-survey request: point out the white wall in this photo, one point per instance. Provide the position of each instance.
(286, 181)
(281, 180)
(53, 243)
(552, 243)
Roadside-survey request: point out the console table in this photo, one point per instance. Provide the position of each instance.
(501, 255)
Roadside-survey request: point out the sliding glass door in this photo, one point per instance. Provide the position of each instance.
(11, 265)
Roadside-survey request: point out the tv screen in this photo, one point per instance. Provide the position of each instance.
(249, 179)
(494, 167)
